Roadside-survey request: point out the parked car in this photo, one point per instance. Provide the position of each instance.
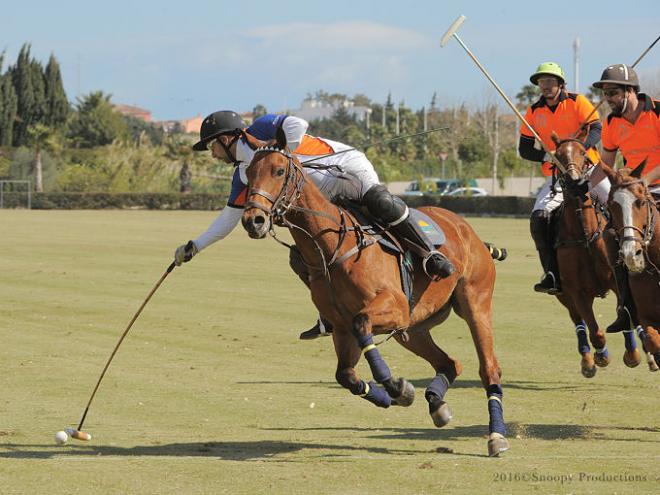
(468, 191)
(435, 185)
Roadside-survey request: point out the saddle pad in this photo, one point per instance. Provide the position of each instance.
(432, 230)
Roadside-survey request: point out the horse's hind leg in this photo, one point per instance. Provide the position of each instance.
(446, 368)
(387, 311)
(473, 303)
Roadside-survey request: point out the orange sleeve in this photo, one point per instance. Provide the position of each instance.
(584, 109)
(529, 117)
(606, 137)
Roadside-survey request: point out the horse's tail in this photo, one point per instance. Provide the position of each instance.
(498, 254)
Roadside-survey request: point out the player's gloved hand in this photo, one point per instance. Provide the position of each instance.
(185, 253)
(578, 188)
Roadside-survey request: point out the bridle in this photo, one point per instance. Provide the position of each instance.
(647, 232)
(294, 180)
(589, 238)
(286, 200)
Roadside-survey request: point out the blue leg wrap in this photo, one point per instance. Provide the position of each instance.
(495, 410)
(379, 369)
(376, 395)
(438, 386)
(603, 352)
(630, 340)
(583, 341)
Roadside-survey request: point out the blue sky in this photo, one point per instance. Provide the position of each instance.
(179, 59)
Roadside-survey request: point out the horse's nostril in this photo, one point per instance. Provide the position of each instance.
(259, 220)
(638, 252)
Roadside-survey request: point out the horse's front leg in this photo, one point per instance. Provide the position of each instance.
(650, 338)
(348, 354)
(387, 311)
(596, 335)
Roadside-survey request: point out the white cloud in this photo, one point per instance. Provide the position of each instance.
(340, 36)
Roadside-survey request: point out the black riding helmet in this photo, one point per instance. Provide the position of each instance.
(222, 122)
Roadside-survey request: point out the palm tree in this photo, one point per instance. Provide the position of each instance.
(41, 138)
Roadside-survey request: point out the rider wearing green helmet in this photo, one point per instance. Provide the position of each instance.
(548, 69)
(562, 112)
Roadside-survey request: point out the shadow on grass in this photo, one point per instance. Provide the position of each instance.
(421, 383)
(270, 449)
(231, 451)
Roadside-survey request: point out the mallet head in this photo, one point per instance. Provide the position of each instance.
(452, 30)
(77, 434)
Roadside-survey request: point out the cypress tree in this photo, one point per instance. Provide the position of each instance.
(7, 106)
(57, 105)
(28, 80)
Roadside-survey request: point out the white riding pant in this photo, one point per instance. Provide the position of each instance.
(548, 200)
(351, 178)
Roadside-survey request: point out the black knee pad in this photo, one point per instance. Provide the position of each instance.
(383, 205)
(539, 227)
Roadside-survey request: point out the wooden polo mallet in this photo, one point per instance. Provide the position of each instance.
(78, 433)
(451, 33)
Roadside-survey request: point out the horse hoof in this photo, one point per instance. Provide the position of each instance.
(407, 395)
(497, 444)
(632, 358)
(587, 366)
(601, 360)
(440, 413)
(656, 357)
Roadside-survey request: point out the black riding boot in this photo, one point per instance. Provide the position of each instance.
(540, 229)
(625, 310)
(393, 212)
(435, 264)
(322, 326)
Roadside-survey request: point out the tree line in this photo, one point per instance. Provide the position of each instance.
(88, 146)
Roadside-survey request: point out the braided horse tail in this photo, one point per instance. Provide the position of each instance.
(498, 254)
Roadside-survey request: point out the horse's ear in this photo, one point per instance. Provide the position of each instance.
(555, 138)
(280, 138)
(639, 170)
(252, 141)
(609, 172)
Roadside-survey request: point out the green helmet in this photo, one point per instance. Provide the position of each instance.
(548, 69)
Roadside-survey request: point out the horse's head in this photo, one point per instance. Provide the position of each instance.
(572, 154)
(275, 181)
(631, 206)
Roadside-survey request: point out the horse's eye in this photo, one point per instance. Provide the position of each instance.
(279, 172)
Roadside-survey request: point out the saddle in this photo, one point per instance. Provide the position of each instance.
(386, 238)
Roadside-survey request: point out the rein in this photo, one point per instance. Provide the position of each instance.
(588, 238)
(285, 201)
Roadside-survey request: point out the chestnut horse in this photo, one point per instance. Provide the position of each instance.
(356, 285)
(637, 221)
(582, 255)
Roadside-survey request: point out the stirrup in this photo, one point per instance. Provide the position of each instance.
(554, 290)
(448, 267)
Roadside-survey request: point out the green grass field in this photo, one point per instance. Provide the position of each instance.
(212, 392)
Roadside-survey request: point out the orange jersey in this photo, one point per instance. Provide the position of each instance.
(637, 141)
(566, 118)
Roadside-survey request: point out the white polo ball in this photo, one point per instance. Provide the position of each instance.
(61, 437)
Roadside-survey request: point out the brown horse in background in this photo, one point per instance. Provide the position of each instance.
(357, 286)
(582, 256)
(637, 221)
